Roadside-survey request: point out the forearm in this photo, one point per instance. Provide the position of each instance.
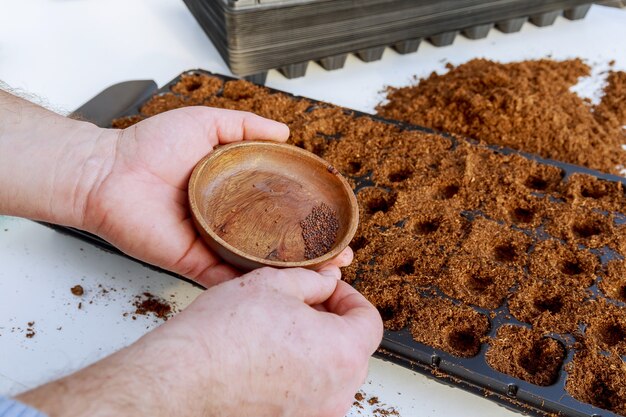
(132, 382)
(48, 162)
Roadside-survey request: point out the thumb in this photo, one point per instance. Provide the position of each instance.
(307, 286)
(365, 322)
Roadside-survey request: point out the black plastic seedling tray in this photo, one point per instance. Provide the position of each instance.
(471, 374)
(254, 37)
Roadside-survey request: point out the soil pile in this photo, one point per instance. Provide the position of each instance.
(522, 105)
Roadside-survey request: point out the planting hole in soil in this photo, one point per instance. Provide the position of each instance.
(448, 192)
(526, 354)
(552, 305)
(586, 230)
(505, 253)
(427, 227)
(359, 243)
(522, 215)
(464, 342)
(401, 175)
(406, 268)
(571, 268)
(537, 183)
(478, 283)
(354, 167)
(377, 201)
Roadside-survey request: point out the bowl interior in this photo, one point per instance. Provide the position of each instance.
(254, 196)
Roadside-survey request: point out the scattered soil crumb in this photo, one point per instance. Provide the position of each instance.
(77, 290)
(377, 409)
(148, 303)
(30, 330)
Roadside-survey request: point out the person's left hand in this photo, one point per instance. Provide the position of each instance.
(138, 200)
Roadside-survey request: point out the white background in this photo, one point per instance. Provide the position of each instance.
(66, 51)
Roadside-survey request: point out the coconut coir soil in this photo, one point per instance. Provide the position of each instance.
(445, 216)
(522, 105)
(527, 354)
(148, 303)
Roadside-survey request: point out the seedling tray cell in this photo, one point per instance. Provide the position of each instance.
(520, 285)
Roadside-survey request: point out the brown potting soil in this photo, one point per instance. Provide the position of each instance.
(548, 305)
(77, 290)
(441, 324)
(613, 282)
(148, 303)
(590, 192)
(30, 330)
(377, 409)
(582, 226)
(612, 105)
(195, 87)
(598, 379)
(526, 354)
(552, 261)
(522, 105)
(319, 231)
(394, 297)
(606, 326)
(441, 215)
(477, 280)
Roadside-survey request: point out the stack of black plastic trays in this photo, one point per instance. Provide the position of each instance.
(254, 36)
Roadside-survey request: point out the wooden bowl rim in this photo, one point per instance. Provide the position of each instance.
(222, 149)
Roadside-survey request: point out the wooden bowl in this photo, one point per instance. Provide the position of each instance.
(248, 200)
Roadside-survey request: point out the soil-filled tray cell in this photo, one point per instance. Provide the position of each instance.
(526, 354)
(518, 208)
(394, 297)
(499, 243)
(463, 248)
(613, 280)
(553, 261)
(477, 281)
(606, 327)
(598, 379)
(458, 330)
(587, 191)
(549, 306)
(581, 226)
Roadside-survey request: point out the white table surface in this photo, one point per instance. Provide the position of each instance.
(64, 52)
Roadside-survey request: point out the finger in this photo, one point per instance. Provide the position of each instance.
(344, 258)
(202, 266)
(307, 286)
(216, 275)
(330, 270)
(362, 316)
(234, 126)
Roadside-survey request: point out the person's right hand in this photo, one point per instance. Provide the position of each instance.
(253, 346)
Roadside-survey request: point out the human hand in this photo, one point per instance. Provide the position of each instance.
(130, 186)
(252, 347)
(139, 201)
